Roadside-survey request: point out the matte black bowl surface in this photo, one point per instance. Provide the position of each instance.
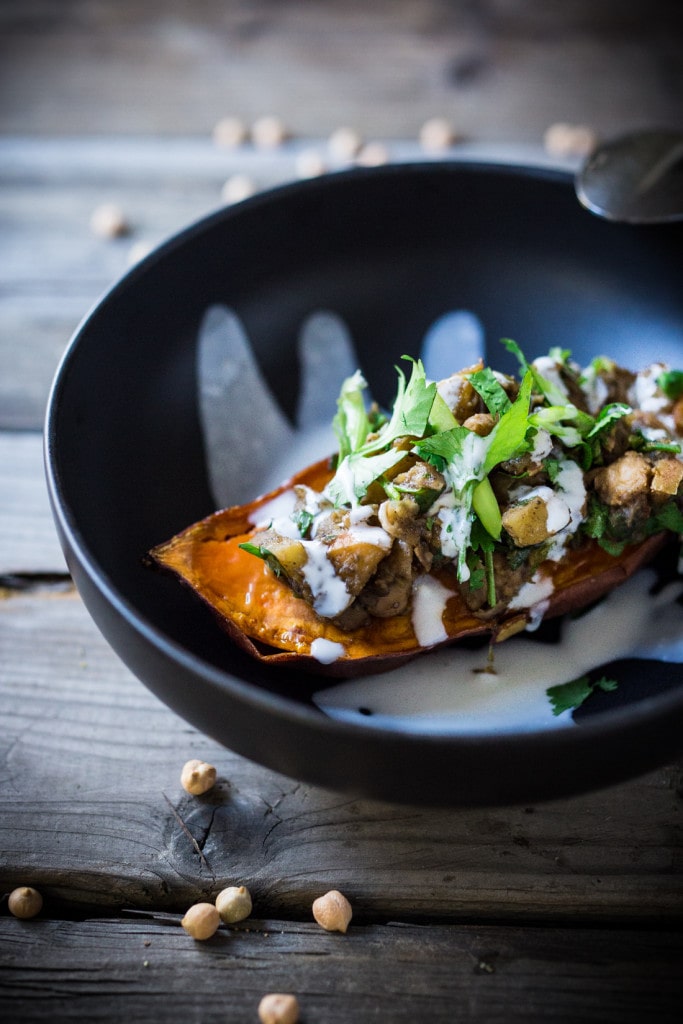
(389, 250)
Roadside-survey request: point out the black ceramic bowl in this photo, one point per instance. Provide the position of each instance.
(389, 251)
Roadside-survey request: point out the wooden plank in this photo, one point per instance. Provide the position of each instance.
(500, 71)
(28, 541)
(51, 969)
(91, 802)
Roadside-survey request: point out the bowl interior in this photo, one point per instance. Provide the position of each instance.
(387, 253)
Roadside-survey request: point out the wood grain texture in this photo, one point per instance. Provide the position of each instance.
(28, 541)
(149, 969)
(499, 70)
(91, 810)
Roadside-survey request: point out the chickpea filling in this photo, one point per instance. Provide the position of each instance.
(489, 476)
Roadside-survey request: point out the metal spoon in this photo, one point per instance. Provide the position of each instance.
(637, 178)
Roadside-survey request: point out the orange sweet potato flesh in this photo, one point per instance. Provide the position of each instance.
(265, 618)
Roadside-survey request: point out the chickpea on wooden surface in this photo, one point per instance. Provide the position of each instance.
(25, 902)
(234, 904)
(332, 911)
(278, 1008)
(197, 777)
(201, 921)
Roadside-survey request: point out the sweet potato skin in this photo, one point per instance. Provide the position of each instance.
(262, 615)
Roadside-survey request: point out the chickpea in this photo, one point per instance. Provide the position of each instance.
(25, 902)
(437, 134)
(268, 132)
(344, 143)
(332, 911)
(372, 154)
(197, 777)
(230, 132)
(234, 904)
(201, 921)
(278, 1008)
(565, 140)
(109, 221)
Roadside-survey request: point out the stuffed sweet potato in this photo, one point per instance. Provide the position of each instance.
(481, 505)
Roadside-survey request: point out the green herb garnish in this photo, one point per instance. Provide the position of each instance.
(363, 460)
(303, 520)
(263, 553)
(570, 696)
(487, 385)
(671, 383)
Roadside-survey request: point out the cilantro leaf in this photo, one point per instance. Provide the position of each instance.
(444, 448)
(514, 348)
(668, 517)
(508, 437)
(612, 547)
(361, 462)
(412, 407)
(303, 520)
(267, 556)
(640, 443)
(596, 521)
(671, 383)
(488, 387)
(563, 421)
(560, 355)
(549, 390)
(593, 436)
(570, 696)
(351, 424)
(552, 468)
(608, 415)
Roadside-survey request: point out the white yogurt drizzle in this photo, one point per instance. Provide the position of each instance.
(327, 651)
(329, 593)
(429, 603)
(550, 371)
(595, 390)
(534, 594)
(644, 393)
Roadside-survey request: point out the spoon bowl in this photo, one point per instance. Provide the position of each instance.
(637, 178)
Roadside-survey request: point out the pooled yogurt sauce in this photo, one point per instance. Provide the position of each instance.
(451, 689)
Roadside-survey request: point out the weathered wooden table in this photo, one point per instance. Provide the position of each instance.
(567, 911)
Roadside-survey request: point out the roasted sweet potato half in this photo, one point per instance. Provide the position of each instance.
(480, 505)
(261, 613)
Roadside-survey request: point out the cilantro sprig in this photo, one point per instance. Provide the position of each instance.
(570, 696)
(364, 456)
(263, 553)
